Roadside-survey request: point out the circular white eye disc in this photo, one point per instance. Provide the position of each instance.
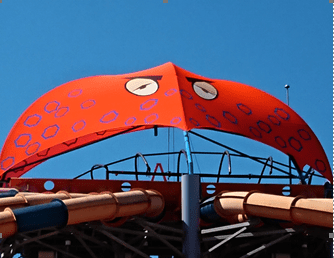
(205, 90)
(142, 86)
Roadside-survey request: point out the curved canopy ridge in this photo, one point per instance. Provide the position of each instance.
(87, 110)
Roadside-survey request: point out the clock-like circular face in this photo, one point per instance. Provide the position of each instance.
(142, 86)
(205, 90)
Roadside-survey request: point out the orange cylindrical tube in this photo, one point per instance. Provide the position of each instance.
(132, 203)
(149, 203)
(107, 206)
(269, 206)
(8, 226)
(313, 211)
(29, 199)
(157, 203)
(15, 202)
(45, 198)
(230, 204)
(299, 210)
(90, 208)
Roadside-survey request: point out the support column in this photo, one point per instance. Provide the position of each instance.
(190, 191)
(190, 215)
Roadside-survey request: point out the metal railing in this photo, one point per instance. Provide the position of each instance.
(273, 166)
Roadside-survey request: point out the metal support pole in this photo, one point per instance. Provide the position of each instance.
(287, 93)
(190, 185)
(290, 172)
(190, 192)
(287, 101)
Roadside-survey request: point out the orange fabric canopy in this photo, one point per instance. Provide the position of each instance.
(87, 110)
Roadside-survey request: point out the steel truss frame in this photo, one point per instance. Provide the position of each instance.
(141, 238)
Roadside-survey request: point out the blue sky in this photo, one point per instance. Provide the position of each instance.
(266, 44)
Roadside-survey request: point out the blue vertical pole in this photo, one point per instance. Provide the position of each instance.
(190, 160)
(190, 186)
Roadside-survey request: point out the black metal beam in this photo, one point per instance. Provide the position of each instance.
(265, 246)
(123, 243)
(51, 247)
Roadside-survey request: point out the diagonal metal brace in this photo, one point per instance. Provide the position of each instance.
(163, 240)
(226, 240)
(50, 246)
(252, 234)
(229, 227)
(73, 230)
(120, 241)
(33, 239)
(162, 227)
(263, 247)
(85, 246)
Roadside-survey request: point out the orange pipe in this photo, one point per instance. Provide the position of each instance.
(24, 199)
(298, 209)
(15, 202)
(8, 225)
(107, 205)
(92, 207)
(314, 212)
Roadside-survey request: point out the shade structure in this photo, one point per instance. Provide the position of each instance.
(87, 110)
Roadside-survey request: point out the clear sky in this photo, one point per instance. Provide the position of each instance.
(265, 44)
